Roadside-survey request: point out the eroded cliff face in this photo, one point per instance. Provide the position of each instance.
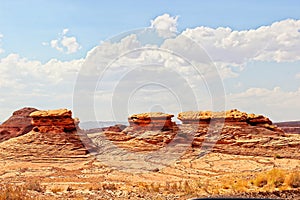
(52, 134)
(240, 133)
(152, 121)
(146, 131)
(233, 116)
(18, 124)
(54, 121)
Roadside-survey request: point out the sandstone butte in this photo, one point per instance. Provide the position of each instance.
(228, 116)
(18, 124)
(152, 121)
(53, 121)
(49, 134)
(245, 134)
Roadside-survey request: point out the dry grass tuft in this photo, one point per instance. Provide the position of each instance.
(277, 178)
(293, 179)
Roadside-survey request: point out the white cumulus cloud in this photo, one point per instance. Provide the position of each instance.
(165, 25)
(278, 42)
(64, 43)
(25, 82)
(278, 104)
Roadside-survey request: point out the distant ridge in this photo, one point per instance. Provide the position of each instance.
(288, 123)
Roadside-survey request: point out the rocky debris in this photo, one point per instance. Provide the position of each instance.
(152, 121)
(230, 116)
(54, 121)
(18, 124)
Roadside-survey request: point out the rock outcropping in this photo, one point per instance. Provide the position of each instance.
(53, 135)
(152, 121)
(146, 131)
(241, 133)
(204, 117)
(18, 124)
(53, 121)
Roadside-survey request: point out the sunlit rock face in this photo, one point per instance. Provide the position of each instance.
(152, 121)
(234, 116)
(53, 121)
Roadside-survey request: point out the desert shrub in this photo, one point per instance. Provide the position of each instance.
(35, 186)
(293, 180)
(261, 180)
(274, 178)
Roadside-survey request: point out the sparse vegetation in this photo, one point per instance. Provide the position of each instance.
(274, 178)
(15, 192)
(293, 179)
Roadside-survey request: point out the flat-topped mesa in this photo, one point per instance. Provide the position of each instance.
(60, 120)
(152, 121)
(18, 124)
(233, 116)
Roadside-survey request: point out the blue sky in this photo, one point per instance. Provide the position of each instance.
(43, 44)
(26, 24)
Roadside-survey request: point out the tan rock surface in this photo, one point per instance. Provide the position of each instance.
(52, 113)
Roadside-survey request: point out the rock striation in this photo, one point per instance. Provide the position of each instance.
(18, 124)
(53, 121)
(152, 121)
(241, 133)
(53, 135)
(146, 131)
(234, 116)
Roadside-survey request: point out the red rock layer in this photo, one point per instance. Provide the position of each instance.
(231, 116)
(18, 124)
(53, 121)
(152, 121)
